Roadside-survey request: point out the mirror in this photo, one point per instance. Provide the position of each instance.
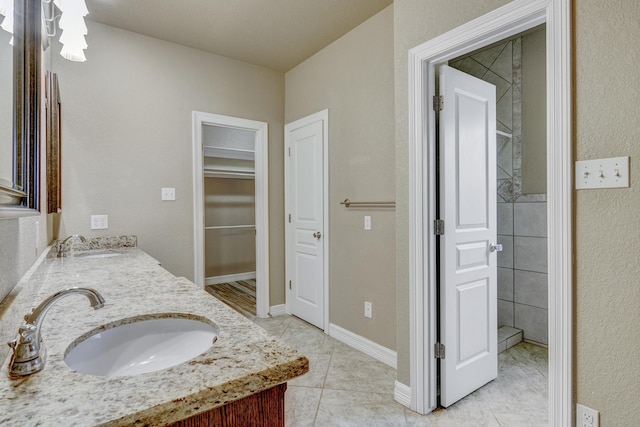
(20, 121)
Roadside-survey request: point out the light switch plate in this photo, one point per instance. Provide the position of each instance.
(602, 173)
(168, 193)
(367, 222)
(99, 222)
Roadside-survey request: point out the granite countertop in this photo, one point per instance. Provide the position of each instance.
(244, 360)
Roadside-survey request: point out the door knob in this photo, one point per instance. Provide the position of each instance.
(495, 247)
(317, 235)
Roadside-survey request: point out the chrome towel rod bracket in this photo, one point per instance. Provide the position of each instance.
(348, 203)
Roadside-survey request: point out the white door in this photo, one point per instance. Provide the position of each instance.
(305, 234)
(468, 287)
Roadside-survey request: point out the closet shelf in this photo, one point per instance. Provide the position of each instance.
(226, 172)
(228, 227)
(229, 153)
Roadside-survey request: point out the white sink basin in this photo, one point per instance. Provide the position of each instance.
(99, 254)
(140, 345)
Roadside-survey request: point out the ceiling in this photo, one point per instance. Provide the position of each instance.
(277, 34)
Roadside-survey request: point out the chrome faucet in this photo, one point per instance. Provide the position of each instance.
(61, 246)
(29, 353)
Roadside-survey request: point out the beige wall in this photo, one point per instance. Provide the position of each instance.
(606, 291)
(607, 222)
(126, 133)
(353, 78)
(416, 21)
(534, 113)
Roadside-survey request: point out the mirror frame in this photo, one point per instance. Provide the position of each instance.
(24, 198)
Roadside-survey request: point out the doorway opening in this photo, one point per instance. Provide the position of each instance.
(231, 234)
(502, 23)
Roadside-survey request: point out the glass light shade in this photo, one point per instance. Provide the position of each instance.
(73, 41)
(73, 23)
(6, 9)
(72, 55)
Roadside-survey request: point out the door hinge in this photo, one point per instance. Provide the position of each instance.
(289, 218)
(289, 151)
(438, 227)
(439, 350)
(438, 102)
(289, 284)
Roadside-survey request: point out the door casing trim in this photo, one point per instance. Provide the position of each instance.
(324, 117)
(511, 19)
(261, 130)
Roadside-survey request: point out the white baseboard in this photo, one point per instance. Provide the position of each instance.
(365, 345)
(402, 394)
(278, 310)
(214, 280)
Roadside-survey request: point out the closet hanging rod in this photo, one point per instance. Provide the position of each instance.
(226, 227)
(348, 203)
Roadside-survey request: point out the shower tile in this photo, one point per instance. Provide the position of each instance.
(505, 189)
(505, 258)
(505, 157)
(530, 288)
(517, 183)
(505, 218)
(470, 66)
(530, 254)
(530, 219)
(505, 313)
(456, 63)
(533, 322)
(504, 108)
(517, 151)
(502, 128)
(529, 198)
(505, 283)
(488, 56)
(502, 86)
(503, 65)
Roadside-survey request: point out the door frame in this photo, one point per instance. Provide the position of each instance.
(511, 19)
(261, 130)
(324, 117)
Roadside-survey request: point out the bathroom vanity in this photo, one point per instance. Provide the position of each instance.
(240, 380)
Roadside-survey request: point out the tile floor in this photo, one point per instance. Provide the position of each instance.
(345, 387)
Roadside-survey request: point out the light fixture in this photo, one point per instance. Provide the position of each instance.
(6, 9)
(71, 23)
(73, 29)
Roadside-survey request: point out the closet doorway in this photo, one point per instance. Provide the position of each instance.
(231, 213)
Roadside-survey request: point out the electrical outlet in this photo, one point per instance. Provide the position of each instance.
(168, 193)
(368, 309)
(586, 417)
(367, 222)
(99, 222)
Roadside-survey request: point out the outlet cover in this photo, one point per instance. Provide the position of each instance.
(367, 222)
(586, 417)
(368, 309)
(168, 193)
(99, 222)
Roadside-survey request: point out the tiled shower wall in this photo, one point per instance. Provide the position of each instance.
(522, 218)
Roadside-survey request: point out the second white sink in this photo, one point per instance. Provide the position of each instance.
(141, 345)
